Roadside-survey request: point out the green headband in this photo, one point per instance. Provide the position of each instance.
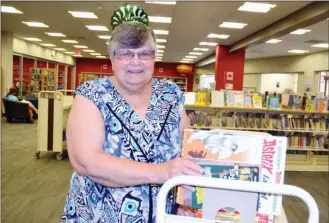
(129, 13)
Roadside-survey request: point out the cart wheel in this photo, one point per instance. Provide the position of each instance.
(59, 156)
(37, 155)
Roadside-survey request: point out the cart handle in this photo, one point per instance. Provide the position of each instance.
(238, 186)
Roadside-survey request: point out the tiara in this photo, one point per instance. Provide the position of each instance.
(128, 13)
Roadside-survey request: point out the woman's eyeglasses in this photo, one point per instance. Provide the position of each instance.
(128, 55)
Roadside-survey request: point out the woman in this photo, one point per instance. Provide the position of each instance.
(124, 136)
(11, 96)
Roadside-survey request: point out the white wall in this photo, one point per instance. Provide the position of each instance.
(26, 48)
(286, 81)
(251, 80)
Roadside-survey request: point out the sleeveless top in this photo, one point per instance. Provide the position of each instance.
(156, 139)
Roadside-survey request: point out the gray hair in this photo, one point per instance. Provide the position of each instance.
(131, 35)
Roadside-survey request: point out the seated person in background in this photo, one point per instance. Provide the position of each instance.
(11, 96)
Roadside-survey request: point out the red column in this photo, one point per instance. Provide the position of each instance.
(229, 68)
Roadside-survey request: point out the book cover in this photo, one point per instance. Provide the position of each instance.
(310, 106)
(247, 101)
(257, 101)
(218, 98)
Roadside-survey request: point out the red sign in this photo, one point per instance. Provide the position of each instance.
(184, 68)
(77, 52)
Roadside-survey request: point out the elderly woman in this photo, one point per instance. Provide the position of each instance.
(124, 136)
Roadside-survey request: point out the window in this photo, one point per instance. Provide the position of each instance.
(323, 82)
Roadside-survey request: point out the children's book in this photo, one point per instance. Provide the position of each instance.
(241, 148)
(310, 105)
(257, 101)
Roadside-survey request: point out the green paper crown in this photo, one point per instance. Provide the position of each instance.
(129, 13)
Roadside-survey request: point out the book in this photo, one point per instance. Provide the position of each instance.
(257, 101)
(218, 98)
(310, 105)
(240, 148)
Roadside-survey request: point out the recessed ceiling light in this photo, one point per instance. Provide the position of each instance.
(89, 51)
(201, 49)
(213, 35)
(232, 25)
(60, 49)
(256, 7)
(160, 51)
(183, 61)
(191, 57)
(208, 44)
(86, 15)
(195, 53)
(159, 55)
(80, 46)
(274, 41)
(161, 41)
(98, 28)
(9, 9)
(161, 32)
(101, 56)
(36, 24)
(69, 41)
(298, 51)
(159, 19)
(95, 54)
(158, 60)
(56, 34)
(158, 2)
(321, 45)
(77, 55)
(70, 52)
(104, 37)
(48, 44)
(33, 39)
(300, 31)
(161, 47)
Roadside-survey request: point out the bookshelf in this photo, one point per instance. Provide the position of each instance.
(42, 79)
(180, 81)
(85, 76)
(307, 132)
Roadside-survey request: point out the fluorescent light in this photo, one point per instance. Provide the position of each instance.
(157, 60)
(95, 54)
(256, 7)
(86, 15)
(213, 35)
(98, 28)
(191, 57)
(101, 56)
(48, 44)
(36, 24)
(274, 41)
(159, 19)
(298, 51)
(201, 49)
(89, 51)
(160, 32)
(104, 37)
(187, 59)
(69, 41)
(161, 47)
(158, 2)
(56, 34)
(321, 45)
(300, 31)
(161, 41)
(183, 61)
(9, 9)
(33, 39)
(232, 25)
(80, 47)
(208, 44)
(77, 55)
(70, 52)
(59, 49)
(160, 51)
(159, 55)
(195, 53)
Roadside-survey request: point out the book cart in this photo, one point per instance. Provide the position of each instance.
(54, 107)
(229, 185)
(307, 132)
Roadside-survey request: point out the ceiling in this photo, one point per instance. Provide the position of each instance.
(191, 23)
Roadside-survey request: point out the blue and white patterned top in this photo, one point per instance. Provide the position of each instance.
(156, 139)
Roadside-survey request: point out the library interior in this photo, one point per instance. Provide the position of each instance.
(243, 68)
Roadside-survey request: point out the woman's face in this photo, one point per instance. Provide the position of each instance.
(133, 73)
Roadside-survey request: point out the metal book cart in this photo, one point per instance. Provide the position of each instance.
(54, 107)
(289, 190)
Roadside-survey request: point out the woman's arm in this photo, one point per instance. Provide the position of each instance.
(85, 139)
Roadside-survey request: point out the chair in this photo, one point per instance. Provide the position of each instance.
(16, 111)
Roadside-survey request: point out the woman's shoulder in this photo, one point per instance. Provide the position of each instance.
(94, 86)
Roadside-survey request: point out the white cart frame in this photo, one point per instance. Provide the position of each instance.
(201, 181)
(53, 112)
